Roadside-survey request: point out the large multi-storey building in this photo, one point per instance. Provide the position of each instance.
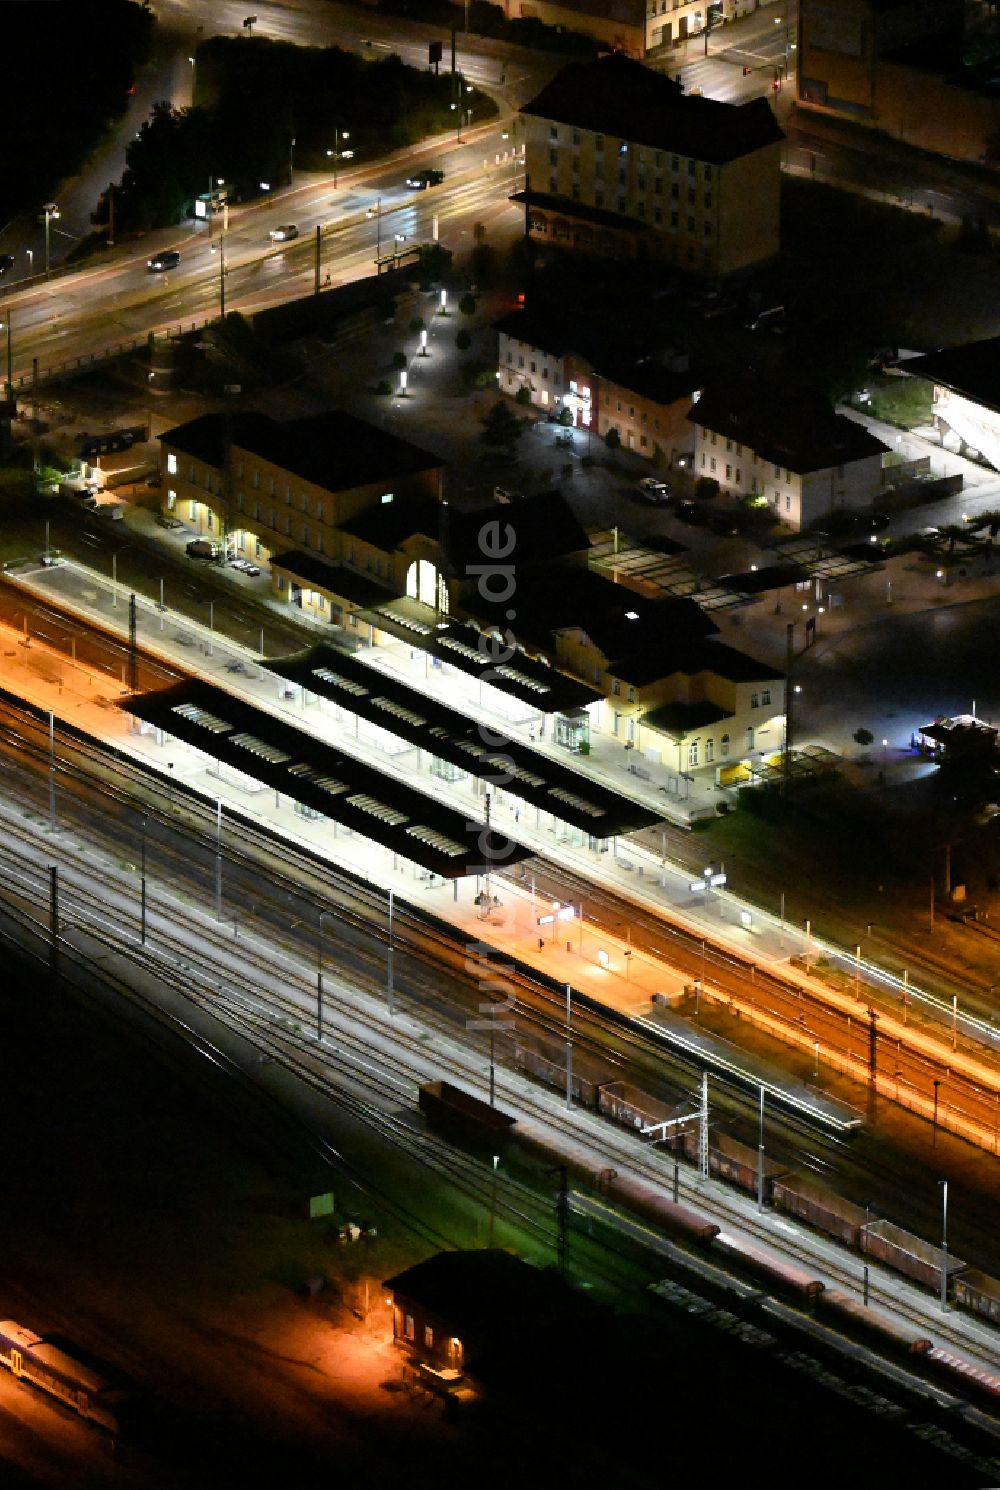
(620, 163)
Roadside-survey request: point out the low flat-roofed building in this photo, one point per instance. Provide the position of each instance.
(966, 382)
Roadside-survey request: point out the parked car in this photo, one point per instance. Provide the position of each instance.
(168, 259)
(166, 521)
(283, 233)
(422, 179)
(6, 264)
(111, 511)
(691, 513)
(244, 566)
(201, 548)
(650, 489)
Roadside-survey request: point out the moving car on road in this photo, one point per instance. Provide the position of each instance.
(283, 233)
(421, 179)
(168, 259)
(6, 264)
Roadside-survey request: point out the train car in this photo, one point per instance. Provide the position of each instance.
(44, 1364)
(977, 1292)
(461, 1115)
(908, 1254)
(948, 1364)
(733, 1161)
(673, 1217)
(865, 1320)
(549, 1066)
(632, 1107)
(822, 1208)
(766, 1265)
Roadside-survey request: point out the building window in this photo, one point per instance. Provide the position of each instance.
(553, 186)
(674, 163)
(724, 745)
(616, 687)
(576, 137)
(765, 695)
(692, 168)
(631, 695)
(553, 157)
(172, 464)
(788, 501)
(657, 214)
(739, 476)
(408, 1329)
(675, 192)
(673, 219)
(750, 736)
(428, 1337)
(599, 144)
(256, 481)
(598, 199)
(693, 753)
(553, 132)
(709, 751)
(387, 497)
(690, 224)
(754, 701)
(777, 473)
(621, 204)
(708, 200)
(712, 465)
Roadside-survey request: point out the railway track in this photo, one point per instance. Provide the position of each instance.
(272, 1020)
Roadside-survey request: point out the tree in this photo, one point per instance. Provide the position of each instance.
(463, 341)
(399, 360)
(863, 737)
(613, 439)
(483, 264)
(433, 262)
(706, 486)
(523, 396)
(566, 417)
(501, 425)
(467, 305)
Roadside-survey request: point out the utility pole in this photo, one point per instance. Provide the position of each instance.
(218, 861)
(52, 771)
(389, 971)
(760, 1155)
(142, 886)
(786, 773)
(53, 917)
(569, 1046)
(133, 647)
(319, 979)
(10, 354)
(319, 235)
(703, 1128)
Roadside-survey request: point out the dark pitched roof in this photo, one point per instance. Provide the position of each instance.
(972, 369)
(617, 96)
(543, 527)
(487, 1292)
(662, 380)
(389, 524)
(800, 433)
(334, 450)
(339, 579)
(681, 719)
(627, 627)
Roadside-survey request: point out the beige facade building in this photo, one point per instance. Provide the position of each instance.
(646, 400)
(619, 163)
(800, 458)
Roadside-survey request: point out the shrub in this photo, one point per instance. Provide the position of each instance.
(523, 396)
(706, 486)
(383, 387)
(613, 439)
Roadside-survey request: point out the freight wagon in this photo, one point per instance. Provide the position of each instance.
(822, 1208)
(908, 1254)
(978, 1292)
(675, 1218)
(731, 1160)
(47, 1366)
(767, 1265)
(463, 1116)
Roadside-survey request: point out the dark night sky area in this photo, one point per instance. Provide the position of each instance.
(68, 67)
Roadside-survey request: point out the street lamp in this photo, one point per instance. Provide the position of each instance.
(5, 325)
(51, 213)
(944, 1243)
(221, 251)
(337, 154)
